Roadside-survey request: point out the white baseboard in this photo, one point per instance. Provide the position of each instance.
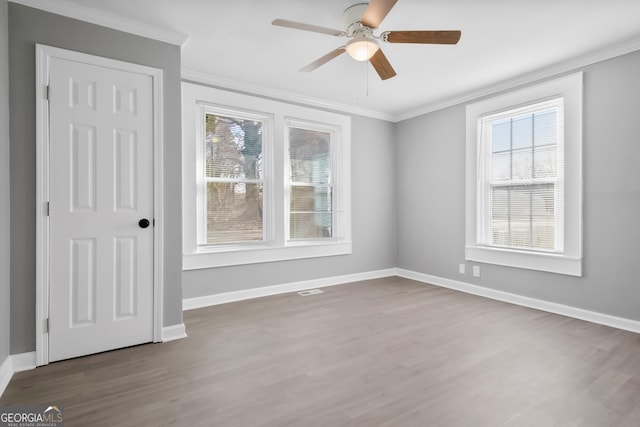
(223, 298)
(551, 307)
(173, 332)
(6, 372)
(23, 361)
(15, 363)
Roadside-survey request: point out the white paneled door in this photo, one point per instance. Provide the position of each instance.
(101, 209)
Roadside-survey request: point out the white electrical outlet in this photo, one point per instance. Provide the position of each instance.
(476, 271)
(461, 269)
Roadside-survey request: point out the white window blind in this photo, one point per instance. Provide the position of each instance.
(523, 193)
(521, 199)
(263, 180)
(233, 178)
(311, 183)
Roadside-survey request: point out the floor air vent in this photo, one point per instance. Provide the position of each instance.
(310, 292)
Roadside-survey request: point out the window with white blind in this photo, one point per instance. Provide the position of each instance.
(523, 206)
(521, 201)
(231, 164)
(311, 207)
(263, 180)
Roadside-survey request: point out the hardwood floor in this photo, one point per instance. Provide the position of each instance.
(387, 352)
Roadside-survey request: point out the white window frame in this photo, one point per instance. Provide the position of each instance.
(336, 173)
(204, 108)
(275, 247)
(485, 171)
(569, 259)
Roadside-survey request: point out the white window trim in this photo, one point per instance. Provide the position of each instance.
(267, 143)
(336, 173)
(570, 261)
(275, 247)
(485, 172)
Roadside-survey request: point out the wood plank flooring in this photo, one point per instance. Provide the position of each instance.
(387, 352)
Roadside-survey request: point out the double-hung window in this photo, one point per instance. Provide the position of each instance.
(523, 204)
(230, 162)
(311, 181)
(262, 180)
(522, 191)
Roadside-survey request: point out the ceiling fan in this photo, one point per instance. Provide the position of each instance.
(360, 20)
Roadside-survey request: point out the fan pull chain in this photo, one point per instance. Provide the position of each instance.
(366, 65)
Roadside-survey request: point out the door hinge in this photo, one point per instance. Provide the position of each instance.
(48, 92)
(47, 208)
(153, 222)
(46, 325)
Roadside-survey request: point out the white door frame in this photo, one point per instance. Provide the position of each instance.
(44, 54)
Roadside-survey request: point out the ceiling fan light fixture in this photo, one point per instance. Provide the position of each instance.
(362, 48)
(360, 21)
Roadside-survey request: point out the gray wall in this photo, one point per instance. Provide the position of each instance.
(373, 224)
(28, 26)
(4, 182)
(431, 186)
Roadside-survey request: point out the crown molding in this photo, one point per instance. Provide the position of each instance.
(83, 13)
(525, 79)
(279, 95)
(528, 78)
(105, 19)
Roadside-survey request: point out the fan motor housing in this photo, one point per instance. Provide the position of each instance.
(352, 15)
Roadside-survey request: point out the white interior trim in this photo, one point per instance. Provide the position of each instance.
(42, 196)
(6, 373)
(223, 298)
(280, 95)
(569, 260)
(15, 363)
(158, 202)
(43, 56)
(23, 361)
(26, 361)
(173, 332)
(105, 19)
(525, 79)
(245, 255)
(521, 80)
(538, 304)
(275, 247)
(129, 25)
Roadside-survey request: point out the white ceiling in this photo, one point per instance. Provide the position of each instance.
(502, 40)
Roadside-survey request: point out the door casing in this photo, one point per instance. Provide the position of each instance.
(44, 54)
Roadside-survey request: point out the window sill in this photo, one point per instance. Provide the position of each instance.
(211, 258)
(553, 263)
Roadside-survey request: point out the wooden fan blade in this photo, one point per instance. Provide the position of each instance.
(427, 37)
(307, 27)
(323, 60)
(382, 65)
(376, 11)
